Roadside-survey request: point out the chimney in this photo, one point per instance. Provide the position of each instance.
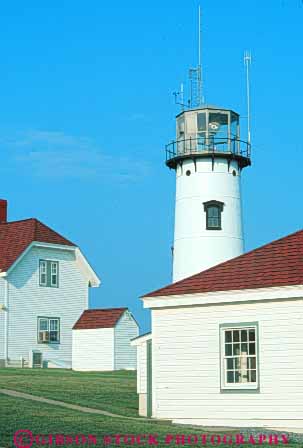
(3, 210)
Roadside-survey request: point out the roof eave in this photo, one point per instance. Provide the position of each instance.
(37, 244)
(141, 339)
(87, 270)
(272, 293)
(83, 264)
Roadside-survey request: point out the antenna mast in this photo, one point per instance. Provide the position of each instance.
(200, 80)
(195, 74)
(247, 63)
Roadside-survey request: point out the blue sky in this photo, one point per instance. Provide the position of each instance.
(87, 107)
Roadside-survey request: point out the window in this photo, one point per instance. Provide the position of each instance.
(49, 273)
(48, 330)
(54, 273)
(43, 273)
(213, 210)
(239, 353)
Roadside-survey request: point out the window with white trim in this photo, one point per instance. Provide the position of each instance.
(48, 330)
(239, 353)
(49, 273)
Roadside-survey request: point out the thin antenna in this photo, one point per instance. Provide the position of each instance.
(200, 78)
(199, 37)
(182, 96)
(247, 63)
(195, 74)
(196, 98)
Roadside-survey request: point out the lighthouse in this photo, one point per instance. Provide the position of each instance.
(208, 158)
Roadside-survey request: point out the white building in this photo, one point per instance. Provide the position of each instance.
(44, 284)
(227, 343)
(101, 340)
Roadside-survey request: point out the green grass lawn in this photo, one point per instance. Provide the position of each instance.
(16, 414)
(113, 391)
(110, 391)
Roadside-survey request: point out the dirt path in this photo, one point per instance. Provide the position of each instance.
(74, 407)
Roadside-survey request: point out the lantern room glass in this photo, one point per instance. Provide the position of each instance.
(218, 130)
(208, 130)
(202, 130)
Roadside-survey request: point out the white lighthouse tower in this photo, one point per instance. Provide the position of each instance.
(208, 158)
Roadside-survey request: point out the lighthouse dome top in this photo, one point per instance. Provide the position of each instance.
(207, 131)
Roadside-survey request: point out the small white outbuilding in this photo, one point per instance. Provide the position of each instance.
(101, 340)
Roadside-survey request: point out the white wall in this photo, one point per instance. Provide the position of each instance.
(186, 365)
(28, 301)
(141, 369)
(93, 349)
(2, 337)
(195, 248)
(126, 329)
(2, 319)
(141, 345)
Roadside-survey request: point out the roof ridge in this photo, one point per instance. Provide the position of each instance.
(106, 309)
(38, 222)
(16, 236)
(99, 318)
(18, 220)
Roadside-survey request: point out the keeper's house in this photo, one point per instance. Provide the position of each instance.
(44, 282)
(227, 344)
(102, 340)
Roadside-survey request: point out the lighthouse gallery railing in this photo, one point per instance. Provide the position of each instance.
(209, 145)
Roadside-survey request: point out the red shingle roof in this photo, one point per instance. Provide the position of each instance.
(16, 236)
(279, 263)
(104, 318)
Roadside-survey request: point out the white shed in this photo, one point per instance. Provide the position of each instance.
(101, 340)
(227, 343)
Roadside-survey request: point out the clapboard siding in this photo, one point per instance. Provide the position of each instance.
(1, 334)
(93, 349)
(125, 355)
(141, 369)
(27, 301)
(2, 317)
(186, 373)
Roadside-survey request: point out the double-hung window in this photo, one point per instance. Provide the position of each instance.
(239, 356)
(43, 273)
(48, 330)
(54, 273)
(49, 273)
(213, 210)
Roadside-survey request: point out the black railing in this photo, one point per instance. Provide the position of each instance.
(209, 145)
